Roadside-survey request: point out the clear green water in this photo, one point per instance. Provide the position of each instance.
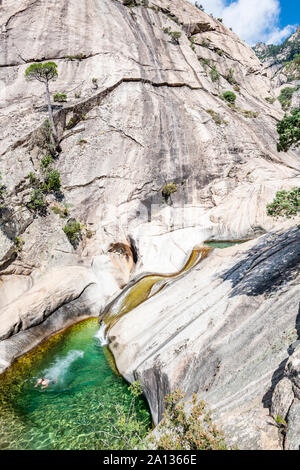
(72, 412)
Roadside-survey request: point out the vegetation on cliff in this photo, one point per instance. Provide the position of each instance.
(289, 49)
(286, 204)
(289, 131)
(182, 430)
(73, 231)
(45, 73)
(229, 96)
(285, 97)
(169, 189)
(50, 183)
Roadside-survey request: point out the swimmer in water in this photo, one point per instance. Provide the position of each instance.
(38, 382)
(44, 383)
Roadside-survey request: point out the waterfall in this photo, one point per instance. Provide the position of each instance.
(102, 334)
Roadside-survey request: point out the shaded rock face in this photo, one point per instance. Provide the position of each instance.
(286, 397)
(220, 336)
(268, 265)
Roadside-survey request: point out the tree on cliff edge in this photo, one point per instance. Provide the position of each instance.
(45, 73)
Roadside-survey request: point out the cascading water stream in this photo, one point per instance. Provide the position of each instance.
(143, 289)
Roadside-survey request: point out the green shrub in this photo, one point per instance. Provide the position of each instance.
(63, 212)
(285, 97)
(248, 114)
(60, 97)
(292, 68)
(18, 244)
(214, 74)
(182, 430)
(204, 62)
(89, 233)
(79, 56)
(286, 204)
(173, 17)
(32, 178)
(281, 423)
(270, 100)
(37, 202)
(230, 99)
(169, 189)
(230, 77)
(46, 162)
(73, 231)
(229, 96)
(71, 123)
(289, 131)
(175, 35)
(52, 181)
(297, 59)
(216, 117)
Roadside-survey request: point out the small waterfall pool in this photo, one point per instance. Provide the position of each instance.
(84, 386)
(71, 412)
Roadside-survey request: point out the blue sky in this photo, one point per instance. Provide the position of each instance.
(270, 21)
(290, 12)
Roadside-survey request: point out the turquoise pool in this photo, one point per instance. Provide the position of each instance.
(75, 411)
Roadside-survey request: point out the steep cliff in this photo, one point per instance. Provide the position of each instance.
(144, 109)
(282, 64)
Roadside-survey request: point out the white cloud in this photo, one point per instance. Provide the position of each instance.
(251, 20)
(277, 35)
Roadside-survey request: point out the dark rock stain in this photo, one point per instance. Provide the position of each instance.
(268, 266)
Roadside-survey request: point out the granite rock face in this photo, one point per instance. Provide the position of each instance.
(149, 118)
(143, 110)
(292, 399)
(278, 66)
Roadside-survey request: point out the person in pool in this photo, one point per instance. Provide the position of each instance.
(38, 382)
(44, 383)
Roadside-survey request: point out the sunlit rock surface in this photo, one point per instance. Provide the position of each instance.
(145, 121)
(225, 331)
